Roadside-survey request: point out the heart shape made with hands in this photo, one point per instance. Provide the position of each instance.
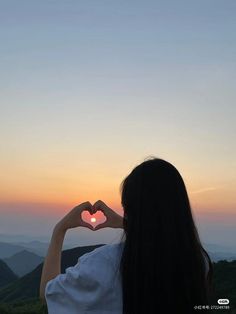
(93, 219)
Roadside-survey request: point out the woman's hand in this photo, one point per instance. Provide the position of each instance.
(73, 219)
(113, 219)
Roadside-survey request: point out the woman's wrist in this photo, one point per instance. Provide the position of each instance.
(119, 222)
(59, 230)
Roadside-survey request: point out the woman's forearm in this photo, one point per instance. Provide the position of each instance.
(52, 262)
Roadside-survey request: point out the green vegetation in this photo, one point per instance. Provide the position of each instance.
(224, 283)
(33, 306)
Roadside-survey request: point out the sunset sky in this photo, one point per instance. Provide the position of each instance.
(91, 88)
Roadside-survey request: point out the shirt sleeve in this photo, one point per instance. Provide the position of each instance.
(81, 286)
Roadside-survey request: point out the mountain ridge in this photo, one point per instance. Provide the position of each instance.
(6, 274)
(27, 287)
(23, 262)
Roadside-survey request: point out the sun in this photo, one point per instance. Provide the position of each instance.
(93, 219)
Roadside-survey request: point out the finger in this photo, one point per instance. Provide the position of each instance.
(83, 206)
(103, 225)
(87, 225)
(100, 205)
(87, 206)
(96, 206)
(93, 209)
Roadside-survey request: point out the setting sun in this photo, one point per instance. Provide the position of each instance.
(93, 219)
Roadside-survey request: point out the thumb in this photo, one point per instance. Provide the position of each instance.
(102, 225)
(87, 225)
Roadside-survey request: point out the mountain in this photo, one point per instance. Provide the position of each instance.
(27, 287)
(219, 252)
(219, 248)
(8, 249)
(6, 274)
(219, 256)
(23, 262)
(37, 247)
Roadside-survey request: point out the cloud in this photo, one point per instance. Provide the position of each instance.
(205, 190)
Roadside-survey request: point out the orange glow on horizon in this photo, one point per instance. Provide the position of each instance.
(56, 190)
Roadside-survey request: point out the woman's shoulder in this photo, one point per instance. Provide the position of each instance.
(107, 252)
(84, 285)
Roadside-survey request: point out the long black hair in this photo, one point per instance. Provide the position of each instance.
(163, 265)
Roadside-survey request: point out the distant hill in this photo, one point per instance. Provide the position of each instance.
(27, 287)
(37, 247)
(219, 248)
(8, 249)
(6, 274)
(23, 262)
(219, 256)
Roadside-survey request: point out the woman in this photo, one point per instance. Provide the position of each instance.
(160, 266)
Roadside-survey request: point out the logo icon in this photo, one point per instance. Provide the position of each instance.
(223, 301)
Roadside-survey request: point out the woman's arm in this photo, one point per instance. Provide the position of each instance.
(52, 262)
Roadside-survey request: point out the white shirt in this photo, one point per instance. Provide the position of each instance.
(93, 285)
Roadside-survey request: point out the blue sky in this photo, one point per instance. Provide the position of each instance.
(90, 88)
